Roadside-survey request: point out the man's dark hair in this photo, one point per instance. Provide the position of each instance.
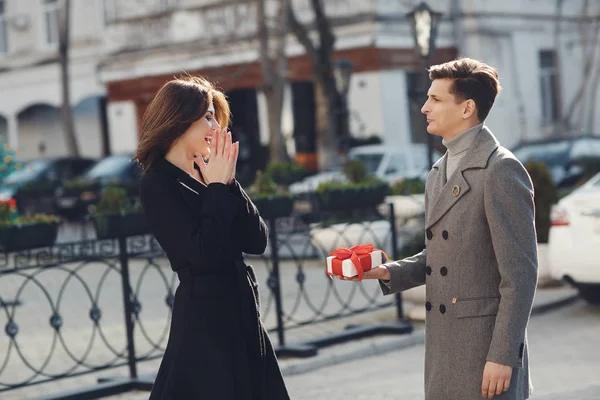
(473, 80)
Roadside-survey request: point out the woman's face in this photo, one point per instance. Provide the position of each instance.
(199, 135)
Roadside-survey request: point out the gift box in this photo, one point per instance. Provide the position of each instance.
(354, 261)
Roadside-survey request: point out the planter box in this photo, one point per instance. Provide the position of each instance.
(111, 226)
(274, 206)
(28, 236)
(348, 199)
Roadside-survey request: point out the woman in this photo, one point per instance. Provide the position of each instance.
(203, 219)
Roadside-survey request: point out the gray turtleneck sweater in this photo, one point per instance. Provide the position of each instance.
(458, 146)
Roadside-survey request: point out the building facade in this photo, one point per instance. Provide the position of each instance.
(123, 51)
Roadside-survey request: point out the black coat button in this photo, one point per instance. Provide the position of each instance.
(445, 235)
(444, 271)
(442, 308)
(428, 306)
(428, 270)
(429, 234)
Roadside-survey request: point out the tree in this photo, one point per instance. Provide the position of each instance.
(64, 17)
(274, 71)
(327, 98)
(572, 116)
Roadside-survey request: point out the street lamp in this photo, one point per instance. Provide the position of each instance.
(424, 23)
(342, 72)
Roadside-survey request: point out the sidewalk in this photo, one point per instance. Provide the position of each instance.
(546, 299)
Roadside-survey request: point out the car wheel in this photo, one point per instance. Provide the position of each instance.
(590, 293)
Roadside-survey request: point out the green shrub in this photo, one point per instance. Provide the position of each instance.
(285, 173)
(114, 199)
(355, 171)
(265, 186)
(545, 196)
(408, 186)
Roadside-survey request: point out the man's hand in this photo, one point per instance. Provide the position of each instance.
(496, 379)
(379, 272)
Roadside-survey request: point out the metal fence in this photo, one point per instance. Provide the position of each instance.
(87, 306)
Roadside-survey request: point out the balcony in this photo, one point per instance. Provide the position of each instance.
(208, 23)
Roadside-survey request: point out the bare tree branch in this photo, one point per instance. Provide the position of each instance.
(327, 39)
(274, 72)
(589, 54)
(302, 35)
(64, 17)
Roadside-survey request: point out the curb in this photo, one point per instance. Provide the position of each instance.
(553, 305)
(374, 348)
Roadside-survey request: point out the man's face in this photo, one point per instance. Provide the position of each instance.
(444, 113)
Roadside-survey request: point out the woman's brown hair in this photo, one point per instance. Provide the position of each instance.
(177, 105)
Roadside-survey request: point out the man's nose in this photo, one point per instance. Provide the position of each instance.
(425, 109)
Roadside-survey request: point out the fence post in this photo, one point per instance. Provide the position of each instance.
(127, 301)
(395, 255)
(275, 281)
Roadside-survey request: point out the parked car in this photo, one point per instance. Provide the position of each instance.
(74, 198)
(389, 164)
(33, 185)
(561, 155)
(574, 241)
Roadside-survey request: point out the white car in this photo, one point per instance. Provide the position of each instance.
(574, 242)
(388, 163)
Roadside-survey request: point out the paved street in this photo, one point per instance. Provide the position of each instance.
(565, 365)
(565, 352)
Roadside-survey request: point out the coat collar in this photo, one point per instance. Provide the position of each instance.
(445, 194)
(177, 174)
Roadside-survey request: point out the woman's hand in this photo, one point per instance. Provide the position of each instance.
(236, 148)
(222, 160)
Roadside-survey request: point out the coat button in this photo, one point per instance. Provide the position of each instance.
(442, 308)
(445, 235)
(428, 306)
(444, 271)
(429, 234)
(428, 270)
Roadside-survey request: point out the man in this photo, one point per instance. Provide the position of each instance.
(480, 261)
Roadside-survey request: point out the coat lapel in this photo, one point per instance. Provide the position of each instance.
(447, 194)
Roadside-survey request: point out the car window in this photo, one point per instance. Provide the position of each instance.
(371, 160)
(396, 165)
(585, 147)
(30, 171)
(110, 167)
(551, 153)
(66, 169)
(80, 166)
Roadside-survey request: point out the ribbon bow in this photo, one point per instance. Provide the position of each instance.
(352, 253)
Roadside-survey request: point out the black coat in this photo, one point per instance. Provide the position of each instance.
(217, 348)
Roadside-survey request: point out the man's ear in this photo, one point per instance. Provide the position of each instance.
(469, 109)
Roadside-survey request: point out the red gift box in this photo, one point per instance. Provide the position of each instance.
(362, 258)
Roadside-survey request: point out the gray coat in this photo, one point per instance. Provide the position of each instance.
(480, 271)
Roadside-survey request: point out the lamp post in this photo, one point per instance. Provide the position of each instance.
(424, 23)
(342, 72)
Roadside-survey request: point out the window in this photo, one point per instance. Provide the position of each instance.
(51, 22)
(370, 160)
(396, 165)
(3, 30)
(549, 86)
